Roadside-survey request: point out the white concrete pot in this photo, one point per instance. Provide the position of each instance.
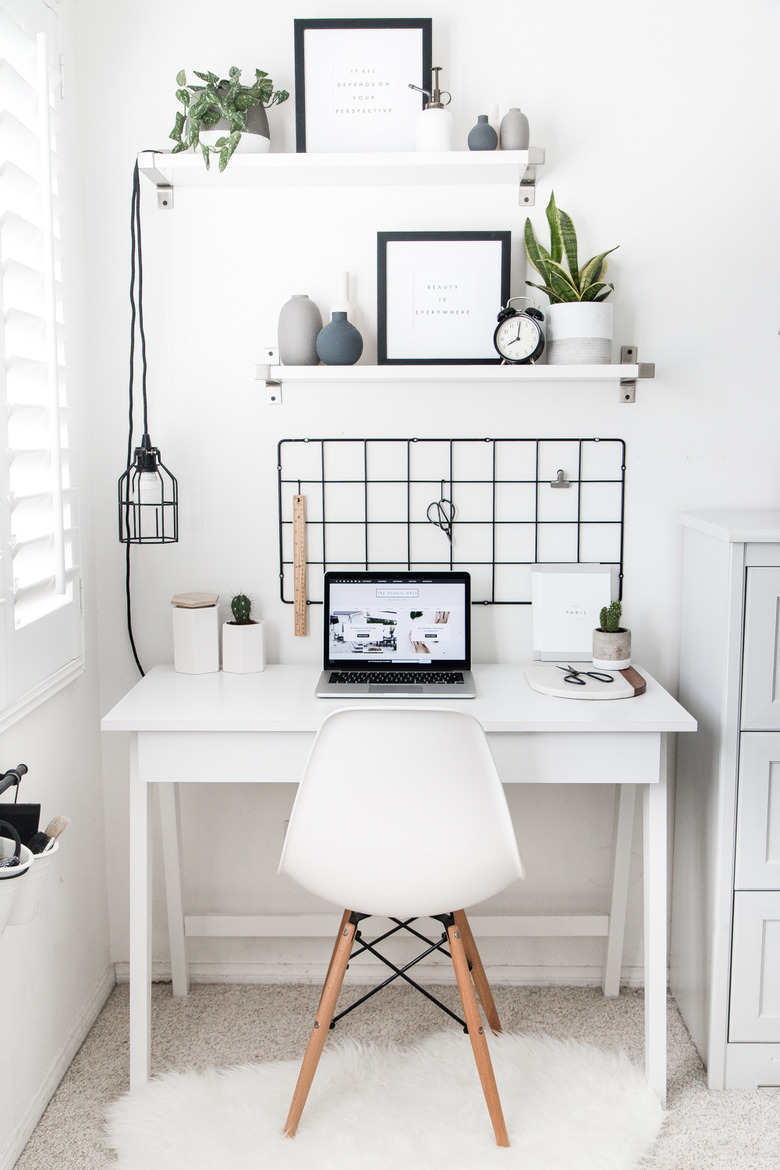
(579, 333)
(243, 648)
(611, 651)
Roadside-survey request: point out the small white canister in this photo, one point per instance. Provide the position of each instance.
(195, 633)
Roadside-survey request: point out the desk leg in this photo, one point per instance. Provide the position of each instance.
(140, 925)
(624, 829)
(655, 835)
(168, 795)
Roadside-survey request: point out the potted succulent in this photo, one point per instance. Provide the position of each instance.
(243, 641)
(223, 115)
(579, 324)
(611, 642)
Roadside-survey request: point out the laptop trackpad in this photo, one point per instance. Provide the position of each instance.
(395, 688)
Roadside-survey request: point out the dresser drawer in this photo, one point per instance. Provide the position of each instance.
(761, 654)
(758, 812)
(754, 1007)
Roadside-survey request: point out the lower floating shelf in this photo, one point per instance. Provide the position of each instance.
(625, 375)
(460, 373)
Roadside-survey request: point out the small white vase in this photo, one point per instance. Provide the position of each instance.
(243, 648)
(579, 333)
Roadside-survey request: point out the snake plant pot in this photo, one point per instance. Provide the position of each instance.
(243, 648)
(579, 333)
(611, 649)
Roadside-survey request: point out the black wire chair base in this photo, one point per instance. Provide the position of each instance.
(361, 946)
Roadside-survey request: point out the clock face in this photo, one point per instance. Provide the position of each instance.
(519, 339)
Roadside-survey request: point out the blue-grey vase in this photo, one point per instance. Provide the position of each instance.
(482, 136)
(339, 343)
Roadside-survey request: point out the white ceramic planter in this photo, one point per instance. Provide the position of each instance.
(579, 333)
(243, 648)
(611, 651)
(195, 640)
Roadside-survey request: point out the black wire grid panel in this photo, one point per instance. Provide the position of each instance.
(515, 503)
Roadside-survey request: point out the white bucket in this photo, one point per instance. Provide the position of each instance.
(12, 879)
(28, 898)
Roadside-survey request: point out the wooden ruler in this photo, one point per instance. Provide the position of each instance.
(299, 564)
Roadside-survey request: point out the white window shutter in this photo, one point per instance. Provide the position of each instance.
(39, 569)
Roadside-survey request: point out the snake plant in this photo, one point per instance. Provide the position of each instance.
(570, 282)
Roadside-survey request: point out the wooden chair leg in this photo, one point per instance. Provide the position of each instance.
(478, 972)
(477, 1034)
(319, 1033)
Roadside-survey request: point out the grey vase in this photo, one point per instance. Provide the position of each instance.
(482, 136)
(339, 343)
(299, 323)
(514, 132)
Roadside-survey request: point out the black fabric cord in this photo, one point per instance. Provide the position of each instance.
(136, 319)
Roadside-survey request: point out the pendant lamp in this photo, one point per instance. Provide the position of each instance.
(148, 491)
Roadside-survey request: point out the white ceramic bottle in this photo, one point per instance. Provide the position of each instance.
(434, 123)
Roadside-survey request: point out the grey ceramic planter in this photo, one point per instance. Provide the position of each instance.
(611, 651)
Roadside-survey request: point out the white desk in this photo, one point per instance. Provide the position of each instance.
(259, 728)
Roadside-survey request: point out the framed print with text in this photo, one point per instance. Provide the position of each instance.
(352, 82)
(438, 296)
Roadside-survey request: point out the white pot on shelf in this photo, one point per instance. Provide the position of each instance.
(243, 648)
(579, 333)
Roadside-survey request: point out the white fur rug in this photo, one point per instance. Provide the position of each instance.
(568, 1106)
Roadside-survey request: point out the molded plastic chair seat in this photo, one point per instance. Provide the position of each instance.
(401, 813)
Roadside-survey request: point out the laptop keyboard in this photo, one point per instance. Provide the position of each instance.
(386, 677)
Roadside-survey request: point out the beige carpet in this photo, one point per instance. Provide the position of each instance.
(223, 1024)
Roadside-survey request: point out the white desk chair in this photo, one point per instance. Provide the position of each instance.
(401, 813)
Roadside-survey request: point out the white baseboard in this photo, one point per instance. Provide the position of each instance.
(313, 973)
(18, 1138)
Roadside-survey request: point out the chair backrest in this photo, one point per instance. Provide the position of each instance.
(401, 812)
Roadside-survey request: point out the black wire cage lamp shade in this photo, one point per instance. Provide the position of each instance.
(148, 499)
(148, 492)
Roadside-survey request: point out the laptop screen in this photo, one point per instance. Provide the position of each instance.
(397, 619)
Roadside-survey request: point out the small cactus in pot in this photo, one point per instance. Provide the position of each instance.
(243, 639)
(241, 608)
(611, 642)
(610, 617)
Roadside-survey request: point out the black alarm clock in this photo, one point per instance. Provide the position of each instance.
(518, 336)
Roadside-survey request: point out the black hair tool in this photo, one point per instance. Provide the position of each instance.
(10, 862)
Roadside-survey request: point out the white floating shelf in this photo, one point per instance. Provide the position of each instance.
(516, 167)
(462, 373)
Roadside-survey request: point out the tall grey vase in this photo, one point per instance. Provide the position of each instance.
(299, 323)
(514, 133)
(339, 342)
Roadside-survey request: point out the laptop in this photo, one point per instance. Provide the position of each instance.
(397, 635)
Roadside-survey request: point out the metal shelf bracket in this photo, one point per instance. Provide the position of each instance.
(629, 356)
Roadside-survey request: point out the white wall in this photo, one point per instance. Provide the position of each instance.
(658, 122)
(56, 971)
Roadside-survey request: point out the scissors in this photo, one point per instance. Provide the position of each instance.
(576, 676)
(443, 514)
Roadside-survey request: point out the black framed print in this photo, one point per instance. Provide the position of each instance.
(352, 81)
(438, 296)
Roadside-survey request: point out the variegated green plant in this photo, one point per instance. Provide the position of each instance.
(570, 282)
(205, 105)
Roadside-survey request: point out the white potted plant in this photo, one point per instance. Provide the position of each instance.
(579, 323)
(611, 642)
(243, 640)
(222, 115)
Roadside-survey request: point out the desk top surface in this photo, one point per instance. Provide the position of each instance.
(281, 698)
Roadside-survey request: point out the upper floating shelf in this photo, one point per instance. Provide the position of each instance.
(516, 167)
